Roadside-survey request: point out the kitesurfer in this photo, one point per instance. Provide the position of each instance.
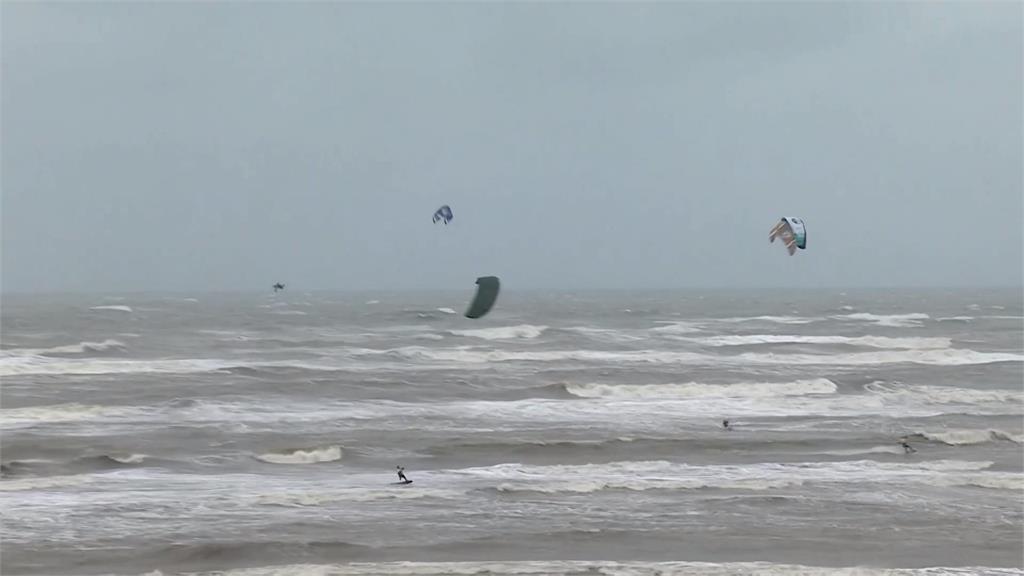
(725, 424)
(401, 474)
(907, 448)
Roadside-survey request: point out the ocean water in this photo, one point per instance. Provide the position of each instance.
(565, 433)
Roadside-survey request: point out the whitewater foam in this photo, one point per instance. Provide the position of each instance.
(447, 311)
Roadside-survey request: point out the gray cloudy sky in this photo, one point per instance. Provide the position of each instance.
(188, 146)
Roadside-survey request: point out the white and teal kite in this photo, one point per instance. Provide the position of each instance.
(792, 232)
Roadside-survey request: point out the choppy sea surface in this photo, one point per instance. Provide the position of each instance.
(565, 433)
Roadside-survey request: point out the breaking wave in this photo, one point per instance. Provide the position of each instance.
(967, 437)
(870, 450)
(524, 331)
(44, 482)
(80, 348)
(54, 413)
(773, 319)
(312, 456)
(44, 365)
(867, 341)
(600, 567)
(889, 320)
(301, 499)
(935, 357)
(662, 475)
(676, 328)
(117, 308)
(699, 390)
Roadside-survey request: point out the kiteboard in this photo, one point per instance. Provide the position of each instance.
(402, 483)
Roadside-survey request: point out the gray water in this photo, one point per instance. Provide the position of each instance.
(565, 433)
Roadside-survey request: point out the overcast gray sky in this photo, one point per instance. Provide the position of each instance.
(192, 146)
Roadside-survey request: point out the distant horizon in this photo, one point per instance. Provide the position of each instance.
(505, 290)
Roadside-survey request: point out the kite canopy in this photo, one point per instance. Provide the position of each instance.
(443, 213)
(792, 232)
(486, 294)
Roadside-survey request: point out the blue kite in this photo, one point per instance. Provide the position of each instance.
(443, 213)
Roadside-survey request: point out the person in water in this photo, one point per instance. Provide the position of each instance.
(907, 448)
(725, 424)
(401, 474)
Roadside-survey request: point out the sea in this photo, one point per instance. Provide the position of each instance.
(576, 433)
